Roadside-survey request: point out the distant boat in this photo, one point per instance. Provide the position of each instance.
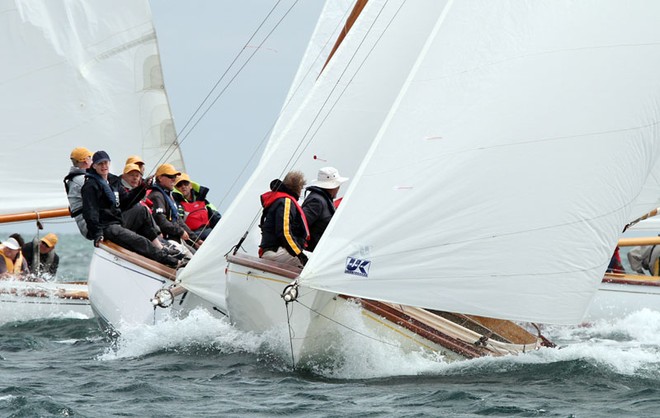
(622, 293)
(495, 154)
(75, 73)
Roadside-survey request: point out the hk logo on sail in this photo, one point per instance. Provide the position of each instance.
(357, 266)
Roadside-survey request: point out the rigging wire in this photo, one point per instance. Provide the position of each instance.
(347, 327)
(285, 107)
(181, 139)
(307, 138)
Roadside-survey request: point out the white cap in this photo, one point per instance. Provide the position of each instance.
(12, 244)
(329, 178)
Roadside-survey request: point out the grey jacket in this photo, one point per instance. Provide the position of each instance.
(73, 183)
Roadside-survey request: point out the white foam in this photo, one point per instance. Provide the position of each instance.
(629, 346)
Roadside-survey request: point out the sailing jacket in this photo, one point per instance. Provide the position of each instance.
(40, 263)
(98, 210)
(197, 212)
(319, 209)
(73, 183)
(166, 214)
(283, 223)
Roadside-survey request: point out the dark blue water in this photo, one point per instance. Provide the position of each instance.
(201, 366)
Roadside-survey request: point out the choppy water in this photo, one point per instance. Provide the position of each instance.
(201, 366)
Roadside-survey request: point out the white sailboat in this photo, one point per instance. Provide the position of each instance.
(495, 150)
(76, 73)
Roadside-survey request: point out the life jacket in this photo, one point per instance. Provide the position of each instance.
(8, 262)
(196, 214)
(18, 264)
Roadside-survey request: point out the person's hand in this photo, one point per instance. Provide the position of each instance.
(149, 181)
(199, 243)
(98, 240)
(185, 236)
(303, 258)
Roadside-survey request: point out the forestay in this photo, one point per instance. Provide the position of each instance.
(334, 125)
(500, 181)
(77, 73)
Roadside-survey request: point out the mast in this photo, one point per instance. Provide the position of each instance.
(357, 9)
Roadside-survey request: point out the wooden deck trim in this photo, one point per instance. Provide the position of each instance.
(632, 279)
(137, 259)
(424, 330)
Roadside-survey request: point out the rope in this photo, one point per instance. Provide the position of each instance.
(288, 322)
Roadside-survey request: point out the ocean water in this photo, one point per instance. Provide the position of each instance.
(202, 366)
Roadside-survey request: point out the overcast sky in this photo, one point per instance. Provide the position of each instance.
(198, 39)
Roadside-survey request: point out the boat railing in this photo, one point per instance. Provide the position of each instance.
(270, 266)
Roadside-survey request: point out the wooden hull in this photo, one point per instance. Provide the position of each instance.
(122, 284)
(21, 301)
(620, 295)
(316, 319)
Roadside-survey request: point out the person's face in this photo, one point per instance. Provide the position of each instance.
(102, 168)
(167, 181)
(185, 188)
(133, 178)
(43, 248)
(11, 253)
(333, 192)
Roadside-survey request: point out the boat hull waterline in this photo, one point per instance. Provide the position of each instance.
(316, 319)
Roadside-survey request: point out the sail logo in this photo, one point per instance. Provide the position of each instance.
(357, 266)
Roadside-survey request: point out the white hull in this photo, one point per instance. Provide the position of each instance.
(21, 301)
(621, 295)
(314, 321)
(122, 284)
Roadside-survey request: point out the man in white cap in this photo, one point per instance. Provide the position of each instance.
(9, 250)
(319, 204)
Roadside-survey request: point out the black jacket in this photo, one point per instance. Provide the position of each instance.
(319, 209)
(99, 211)
(282, 225)
(171, 224)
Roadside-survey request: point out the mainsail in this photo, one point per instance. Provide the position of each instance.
(77, 73)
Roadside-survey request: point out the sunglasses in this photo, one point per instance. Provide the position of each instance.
(171, 176)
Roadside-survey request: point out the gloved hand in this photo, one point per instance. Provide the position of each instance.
(303, 258)
(98, 240)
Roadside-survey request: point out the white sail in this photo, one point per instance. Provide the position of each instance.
(328, 27)
(508, 165)
(333, 126)
(77, 73)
